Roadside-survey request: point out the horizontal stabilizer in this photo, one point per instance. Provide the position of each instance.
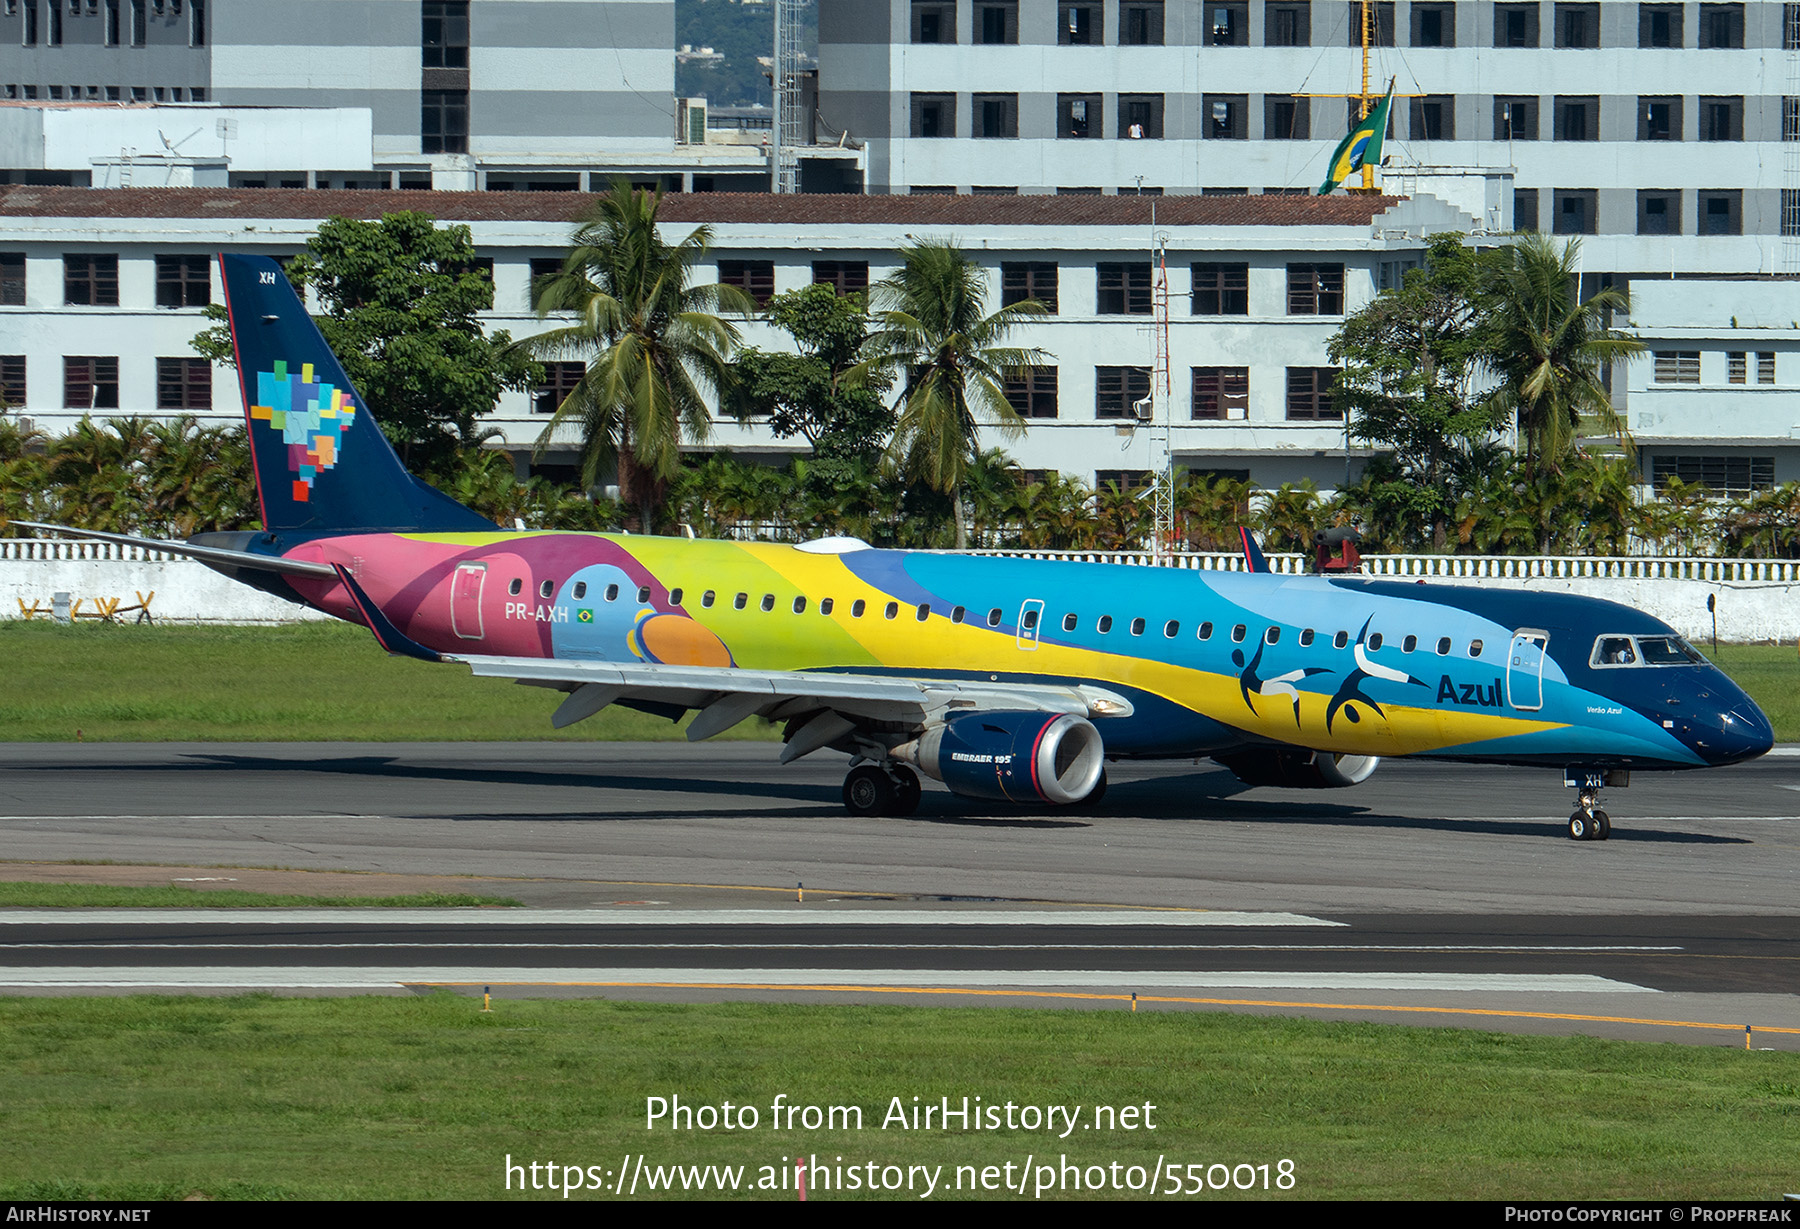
(205, 554)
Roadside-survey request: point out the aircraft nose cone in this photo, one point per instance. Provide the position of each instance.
(1730, 735)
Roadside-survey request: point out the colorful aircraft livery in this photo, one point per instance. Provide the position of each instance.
(1005, 679)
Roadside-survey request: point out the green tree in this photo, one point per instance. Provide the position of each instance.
(401, 300)
(936, 331)
(807, 392)
(654, 346)
(1550, 349)
(1412, 359)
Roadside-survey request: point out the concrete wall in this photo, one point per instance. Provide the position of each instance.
(1749, 610)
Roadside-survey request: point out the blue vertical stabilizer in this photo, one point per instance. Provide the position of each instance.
(322, 463)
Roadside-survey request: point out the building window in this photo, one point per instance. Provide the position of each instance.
(1141, 23)
(1141, 117)
(1381, 34)
(845, 276)
(1221, 392)
(1578, 25)
(1222, 117)
(1659, 25)
(1434, 25)
(1127, 480)
(1226, 23)
(1677, 367)
(445, 34)
(996, 115)
(934, 115)
(1575, 211)
(1221, 290)
(1287, 25)
(1723, 475)
(12, 380)
(1721, 25)
(1118, 391)
(1722, 213)
(1790, 212)
(196, 25)
(1309, 393)
(1515, 25)
(12, 279)
(1790, 119)
(91, 281)
(183, 281)
(1659, 212)
(933, 21)
(444, 121)
(1659, 119)
(1032, 392)
(755, 278)
(1765, 366)
(140, 23)
(1287, 118)
(1515, 119)
(1315, 290)
(1434, 118)
(1721, 119)
(996, 22)
(111, 32)
(90, 383)
(1124, 289)
(560, 380)
(183, 384)
(1525, 209)
(1577, 119)
(1079, 25)
(1077, 115)
(1737, 369)
(1021, 280)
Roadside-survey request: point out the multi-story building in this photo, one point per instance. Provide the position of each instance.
(502, 94)
(1657, 129)
(102, 291)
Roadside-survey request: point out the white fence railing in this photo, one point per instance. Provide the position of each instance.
(70, 550)
(1467, 567)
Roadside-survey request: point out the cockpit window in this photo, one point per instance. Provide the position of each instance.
(1614, 652)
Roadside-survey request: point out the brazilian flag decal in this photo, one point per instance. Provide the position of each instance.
(1360, 147)
(584, 616)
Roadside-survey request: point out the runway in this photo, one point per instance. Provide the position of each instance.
(1432, 893)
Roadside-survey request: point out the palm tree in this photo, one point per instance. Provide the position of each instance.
(934, 330)
(656, 350)
(1551, 350)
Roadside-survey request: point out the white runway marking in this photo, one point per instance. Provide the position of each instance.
(807, 915)
(1118, 981)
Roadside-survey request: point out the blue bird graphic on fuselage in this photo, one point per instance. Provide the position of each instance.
(1351, 688)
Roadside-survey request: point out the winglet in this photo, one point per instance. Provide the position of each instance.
(1253, 556)
(387, 635)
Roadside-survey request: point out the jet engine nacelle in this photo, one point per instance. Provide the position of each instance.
(1298, 768)
(1011, 757)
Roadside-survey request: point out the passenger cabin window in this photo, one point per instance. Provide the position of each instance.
(580, 589)
(1340, 640)
(1206, 631)
(706, 599)
(1306, 636)
(1444, 647)
(643, 593)
(1104, 625)
(612, 593)
(994, 617)
(1237, 634)
(1137, 627)
(1474, 648)
(1409, 644)
(675, 597)
(925, 613)
(1029, 622)
(740, 601)
(825, 605)
(768, 602)
(1069, 621)
(799, 605)
(515, 586)
(892, 610)
(1374, 642)
(956, 614)
(546, 588)
(1273, 635)
(857, 607)
(1171, 629)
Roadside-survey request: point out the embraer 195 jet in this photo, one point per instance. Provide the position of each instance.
(1007, 679)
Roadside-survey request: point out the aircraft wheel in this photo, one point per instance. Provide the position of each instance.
(1580, 824)
(907, 791)
(1095, 795)
(1602, 826)
(869, 791)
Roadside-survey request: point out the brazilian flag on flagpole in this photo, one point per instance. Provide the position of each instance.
(1361, 147)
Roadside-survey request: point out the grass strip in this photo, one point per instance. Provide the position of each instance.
(426, 1097)
(308, 682)
(105, 896)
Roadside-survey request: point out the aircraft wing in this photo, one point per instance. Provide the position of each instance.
(828, 704)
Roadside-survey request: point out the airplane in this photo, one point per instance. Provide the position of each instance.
(1004, 679)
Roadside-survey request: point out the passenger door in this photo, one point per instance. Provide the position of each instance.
(465, 600)
(1525, 669)
(1031, 616)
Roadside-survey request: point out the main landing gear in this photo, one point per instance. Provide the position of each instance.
(1589, 822)
(872, 789)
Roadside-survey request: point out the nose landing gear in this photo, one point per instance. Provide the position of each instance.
(1589, 822)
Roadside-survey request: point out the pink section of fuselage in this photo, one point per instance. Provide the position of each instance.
(414, 581)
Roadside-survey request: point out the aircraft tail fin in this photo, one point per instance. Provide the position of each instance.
(321, 461)
(1253, 556)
